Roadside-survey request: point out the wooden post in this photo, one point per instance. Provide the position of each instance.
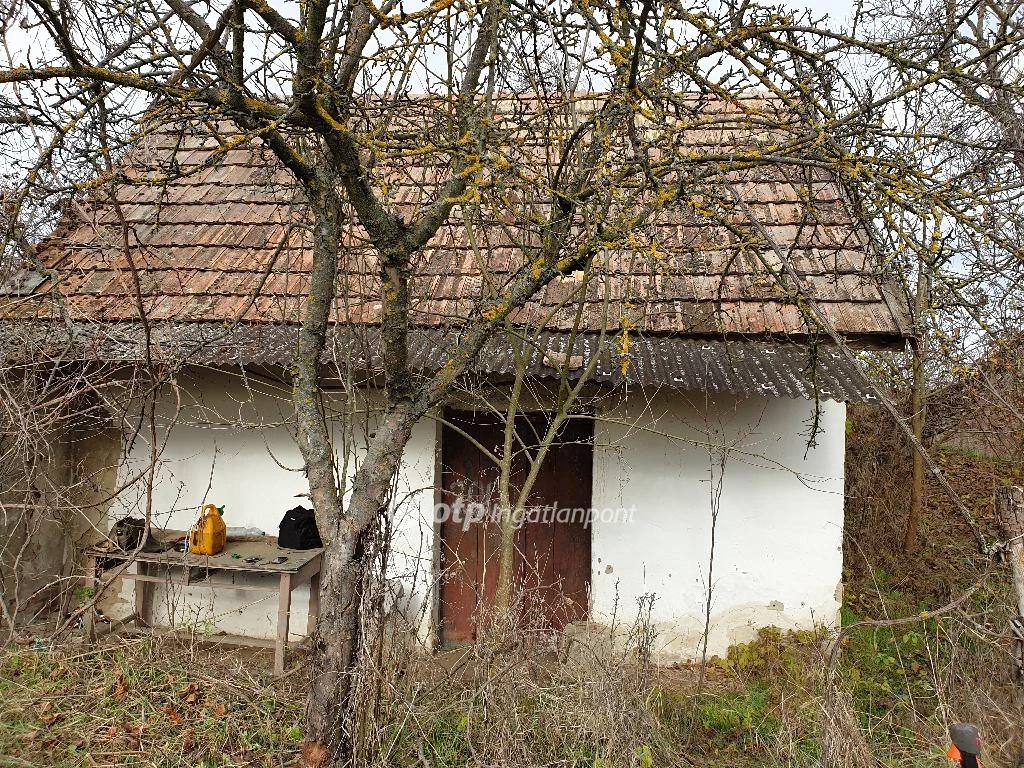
(314, 605)
(1010, 511)
(284, 610)
(143, 595)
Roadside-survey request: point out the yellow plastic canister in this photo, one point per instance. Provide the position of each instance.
(209, 535)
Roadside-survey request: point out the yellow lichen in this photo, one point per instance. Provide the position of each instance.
(625, 339)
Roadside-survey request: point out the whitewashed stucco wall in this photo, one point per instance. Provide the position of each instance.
(778, 554)
(255, 471)
(778, 551)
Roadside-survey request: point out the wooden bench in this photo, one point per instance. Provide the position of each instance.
(186, 569)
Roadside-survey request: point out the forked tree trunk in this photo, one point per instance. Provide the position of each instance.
(335, 649)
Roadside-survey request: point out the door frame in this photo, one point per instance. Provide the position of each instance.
(435, 555)
(441, 414)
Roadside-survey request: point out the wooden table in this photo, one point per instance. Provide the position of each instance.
(186, 569)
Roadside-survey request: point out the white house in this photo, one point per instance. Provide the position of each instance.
(727, 423)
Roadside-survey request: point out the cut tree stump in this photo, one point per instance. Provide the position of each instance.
(1010, 511)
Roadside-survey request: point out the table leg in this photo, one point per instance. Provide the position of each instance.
(314, 604)
(284, 607)
(143, 595)
(89, 617)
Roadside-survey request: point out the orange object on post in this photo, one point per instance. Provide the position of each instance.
(953, 753)
(209, 535)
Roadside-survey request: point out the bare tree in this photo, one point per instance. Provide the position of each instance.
(326, 93)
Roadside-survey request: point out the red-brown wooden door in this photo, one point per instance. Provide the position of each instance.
(552, 573)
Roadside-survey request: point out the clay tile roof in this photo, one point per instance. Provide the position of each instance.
(228, 222)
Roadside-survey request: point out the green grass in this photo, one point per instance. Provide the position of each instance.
(970, 453)
(738, 717)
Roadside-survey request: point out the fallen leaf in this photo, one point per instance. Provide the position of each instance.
(216, 708)
(190, 693)
(314, 755)
(172, 714)
(30, 735)
(120, 687)
(134, 732)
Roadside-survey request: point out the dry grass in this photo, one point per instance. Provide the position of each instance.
(148, 701)
(908, 684)
(512, 700)
(877, 500)
(516, 699)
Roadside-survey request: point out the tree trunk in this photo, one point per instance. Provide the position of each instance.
(329, 708)
(325, 733)
(507, 551)
(1010, 511)
(336, 641)
(503, 589)
(917, 406)
(328, 739)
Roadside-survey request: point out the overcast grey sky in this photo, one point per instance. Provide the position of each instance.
(837, 10)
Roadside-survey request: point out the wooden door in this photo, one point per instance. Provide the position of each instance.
(552, 566)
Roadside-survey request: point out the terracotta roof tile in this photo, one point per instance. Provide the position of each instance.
(204, 238)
